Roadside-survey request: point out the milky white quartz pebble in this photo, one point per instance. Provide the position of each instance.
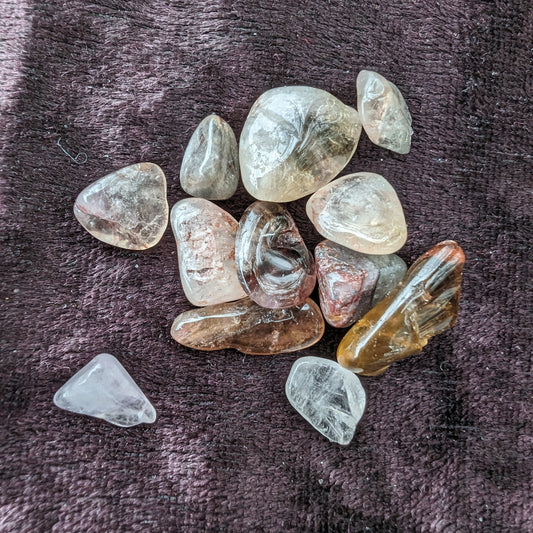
(104, 389)
(360, 211)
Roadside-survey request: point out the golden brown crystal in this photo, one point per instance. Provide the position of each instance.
(249, 328)
(424, 304)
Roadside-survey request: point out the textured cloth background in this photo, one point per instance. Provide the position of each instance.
(445, 443)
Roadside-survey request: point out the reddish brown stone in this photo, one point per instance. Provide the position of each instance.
(249, 328)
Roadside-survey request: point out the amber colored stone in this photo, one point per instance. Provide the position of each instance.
(127, 208)
(249, 328)
(274, 266)
(424, 304)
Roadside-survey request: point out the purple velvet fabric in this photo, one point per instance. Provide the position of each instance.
(445, 442)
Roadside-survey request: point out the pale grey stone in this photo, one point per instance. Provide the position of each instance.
(210, 165)
(383, 112)
(104, 389)
(391, 271)
(328, 396)
(294, 141)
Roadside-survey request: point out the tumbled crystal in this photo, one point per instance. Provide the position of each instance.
(350, 283)
(383, 112)
(249, 328)
(205, 239)
(104, 389)
(127, 208)
(210, 165)
(328, 396)
(360, 211)
(424, 304)
(392, 269)
(295, 140)
(273, 264)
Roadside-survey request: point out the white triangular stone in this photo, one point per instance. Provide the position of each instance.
(327, 395)
(104, 389)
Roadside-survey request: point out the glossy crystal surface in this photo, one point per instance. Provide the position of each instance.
(346, 283)
(350, 283)
(127, 208)
(383, 111)
(328, 396)
(104, 389)
(210, 165)
(205, 239)
(294, 141)
(360, 211)
(249, 328)
(274, 266)
(424, 304)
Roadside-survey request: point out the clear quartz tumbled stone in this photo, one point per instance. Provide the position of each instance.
(360, 211)
(127, 208)
(383, 112)
(104, 389)
(328, 396)
(295, 140)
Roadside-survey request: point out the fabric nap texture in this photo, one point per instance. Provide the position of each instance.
(445, 442)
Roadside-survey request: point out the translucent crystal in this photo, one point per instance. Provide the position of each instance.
(328, 396)
(295, 140)
(350, 283)
(424, 304)
(273, 264)
(127, 208)
(391, 271)
(383, 112)
(360, 211)
(210, 165)
(104, 389)
(205, 239)
(249, 328)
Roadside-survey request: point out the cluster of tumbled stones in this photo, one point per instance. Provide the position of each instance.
(251, 280)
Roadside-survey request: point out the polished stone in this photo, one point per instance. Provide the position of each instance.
(210, 165)
(274, 266)
(127, 208)
(104, 389)
(294, 141)
(424, 304)
(392, 269)
(360, 211)
(205, 239)
(249, 328)
(328, 396)
(346, 283)
(383, 112)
